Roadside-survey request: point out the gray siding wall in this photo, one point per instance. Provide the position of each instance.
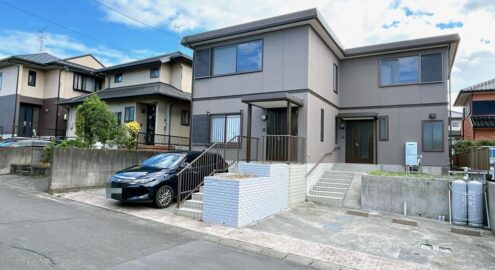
(284, 67)
(7, 103)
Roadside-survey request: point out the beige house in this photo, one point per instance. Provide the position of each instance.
(155, 92)
(31, 85)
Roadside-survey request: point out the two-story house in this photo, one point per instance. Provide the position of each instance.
(31, 87)
(478, 102)
(455, 127)
(155, 92)
(290, 77)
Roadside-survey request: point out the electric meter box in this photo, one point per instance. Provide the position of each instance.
(411, 153)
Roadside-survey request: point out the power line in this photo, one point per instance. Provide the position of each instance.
(136, 20)
(62, 26)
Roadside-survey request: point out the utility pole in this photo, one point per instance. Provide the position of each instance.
(42, 36)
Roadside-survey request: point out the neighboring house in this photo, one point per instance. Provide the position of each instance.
(289, 75)
(155, 92)
(455, 126)
(478, 102)
(32, 84)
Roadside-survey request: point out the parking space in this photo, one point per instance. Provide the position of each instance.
(430, 243)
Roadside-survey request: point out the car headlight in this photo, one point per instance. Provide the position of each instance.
(143, 180)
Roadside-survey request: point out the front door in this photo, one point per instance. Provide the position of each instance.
(359, 143)
(150, 124)
(277, 147)
(25, 124)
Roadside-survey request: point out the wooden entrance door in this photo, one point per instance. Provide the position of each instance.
(360, 141)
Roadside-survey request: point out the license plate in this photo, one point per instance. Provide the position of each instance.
(111, 191)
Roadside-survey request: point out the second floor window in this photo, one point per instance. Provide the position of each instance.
(129, 114)
(231, 59)
(86, 83)
(118, 78)
(154, 73)
(485, 107)
(423, 68)
(1, 80)
(184, 118)
(335, 78)
(32, 78)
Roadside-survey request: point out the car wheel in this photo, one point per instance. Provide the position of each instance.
(164, 197)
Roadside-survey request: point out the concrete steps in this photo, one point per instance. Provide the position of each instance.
(192, 208)
(331, 188)
(355, 167)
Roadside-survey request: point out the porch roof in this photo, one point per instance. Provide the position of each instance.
(357, 116)
(272, 100)
(150, 89)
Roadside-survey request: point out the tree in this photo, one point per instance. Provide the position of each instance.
(95, 122)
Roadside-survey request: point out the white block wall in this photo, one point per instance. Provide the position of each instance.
(316, 174)
(239, 202)
(297, 184)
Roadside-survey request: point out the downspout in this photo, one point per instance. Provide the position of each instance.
(170, 122)
(58, 99)
(450, 112)
(15, 102)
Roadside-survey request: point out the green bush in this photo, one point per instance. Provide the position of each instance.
(48, 150)
(465, 145)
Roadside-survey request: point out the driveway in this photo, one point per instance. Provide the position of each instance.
(377, 235)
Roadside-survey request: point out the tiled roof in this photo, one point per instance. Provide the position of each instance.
(483, 121)
(40, 58)
(150, 89)
(484, 86)
(159, 58)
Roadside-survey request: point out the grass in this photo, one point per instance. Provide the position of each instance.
(403, 174)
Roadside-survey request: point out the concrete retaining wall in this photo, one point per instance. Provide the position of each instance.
(74, 168)
(19, 155)
(239, 202)
(491, 204)
(424, 197)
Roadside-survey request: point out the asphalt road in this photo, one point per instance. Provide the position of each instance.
(38, 231)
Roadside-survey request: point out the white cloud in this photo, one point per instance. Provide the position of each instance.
(62, 46)
(356, 22)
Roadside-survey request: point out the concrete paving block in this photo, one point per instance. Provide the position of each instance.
(293, 258)
(466, 231)
(358, 213)
(320, 265)
(404, 222)
(273, 253)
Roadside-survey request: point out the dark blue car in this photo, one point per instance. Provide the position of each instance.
(155, 180)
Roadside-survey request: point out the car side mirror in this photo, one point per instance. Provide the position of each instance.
(183, 165)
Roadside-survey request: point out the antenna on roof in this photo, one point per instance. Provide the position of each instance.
(42, 36)
(177, 28)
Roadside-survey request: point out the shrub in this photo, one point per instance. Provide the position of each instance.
(131, 137)
(464, 145)
(48, 150)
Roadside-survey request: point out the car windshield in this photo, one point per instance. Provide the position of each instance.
(163, 161)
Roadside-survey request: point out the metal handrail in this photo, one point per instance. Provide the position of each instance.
(209, 150)
(321, 159)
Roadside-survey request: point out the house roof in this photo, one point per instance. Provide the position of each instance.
(151, 89)
(316, 20)
(164, 58)
(84, 55)
(483, 121)
(463, 96)
(456, 115)
(47, 61)
(40, 58)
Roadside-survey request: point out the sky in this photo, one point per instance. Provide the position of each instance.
(117, 31)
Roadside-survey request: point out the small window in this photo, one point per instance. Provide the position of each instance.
(32, 78)
(224, 60)
(383, 128)
(223, 127)
(118, 78)
(455, 124)
(485, 107)
(84, 83)
(118, 116)
(184, 118)
(402, 70)
(322, 125)
(432, 136)
(202, 63)
(335, 78)
(431, 67)
(1, 80)
(129, 114)
(154, 73)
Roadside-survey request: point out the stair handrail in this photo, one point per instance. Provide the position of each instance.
(321, 160)
(236, 139)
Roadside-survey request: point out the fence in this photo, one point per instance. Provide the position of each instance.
(475, 158)
(171, 142)
(286, 148)
(41, 133)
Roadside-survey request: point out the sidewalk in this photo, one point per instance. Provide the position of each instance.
(317, 255)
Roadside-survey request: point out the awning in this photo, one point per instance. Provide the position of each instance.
(483, 121)
(358, 116)
(272, 100)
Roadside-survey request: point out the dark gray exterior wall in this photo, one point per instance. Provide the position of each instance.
(7, 103)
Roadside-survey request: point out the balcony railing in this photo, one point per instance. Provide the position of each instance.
(285, 148)
(41, 133)
(171, 142)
